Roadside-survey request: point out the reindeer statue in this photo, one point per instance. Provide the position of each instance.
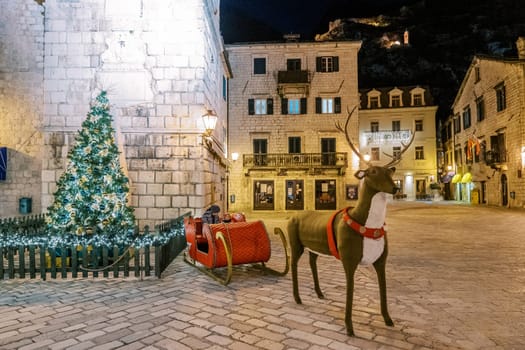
(353, 235)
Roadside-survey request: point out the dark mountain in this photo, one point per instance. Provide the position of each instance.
(444, 35)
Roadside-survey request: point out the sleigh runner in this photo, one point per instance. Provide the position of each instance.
(225, 244)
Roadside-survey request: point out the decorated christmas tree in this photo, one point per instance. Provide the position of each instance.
(90, 204)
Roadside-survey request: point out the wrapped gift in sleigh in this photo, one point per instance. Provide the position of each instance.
(225, 244)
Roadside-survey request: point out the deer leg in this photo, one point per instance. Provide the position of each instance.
(296, 252)
(313, 267)
(350, 262)
(379, 266)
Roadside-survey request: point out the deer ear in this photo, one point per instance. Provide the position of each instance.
(360, 174)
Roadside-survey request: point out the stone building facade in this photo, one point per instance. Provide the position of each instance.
(162, 63)
(485, 136)
(21, 103)
(285, 100)
(387, 118)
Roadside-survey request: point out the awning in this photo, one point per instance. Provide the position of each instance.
(456, 179)
(466, 178)
(446, 178)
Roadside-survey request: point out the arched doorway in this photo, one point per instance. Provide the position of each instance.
(504, 191)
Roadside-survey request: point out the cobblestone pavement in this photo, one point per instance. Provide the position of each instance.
(455, 276)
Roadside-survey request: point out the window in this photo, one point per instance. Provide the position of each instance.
(374, 101)
(396, 125)
(480, 109)
(293, 106)
(417, 100)
(396, 152)
(419, 125)
(501, 99)
(468, 153)
(224, 88)
(293, 64)
(260, 106)
(259, 65)
(260, 150)
(420, 153)
(395, 101)
(263, 194)
(294, 144)
(374, 126)
(457, 124)
(375, 153)
(477, 76)
(327, 64)
(325, 194)
(466, 118)
(327, 105)
(498, 149)
(328, 151)
(458, 156)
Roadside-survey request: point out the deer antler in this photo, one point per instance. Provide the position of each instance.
(397, 159)
(345, 131)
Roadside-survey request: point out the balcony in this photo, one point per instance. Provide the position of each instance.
(282, 162)
(293, 82)
(494, 158)
(388, 136)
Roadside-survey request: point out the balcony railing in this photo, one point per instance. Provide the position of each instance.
(493, 158)
(387, 136)
(296, 161)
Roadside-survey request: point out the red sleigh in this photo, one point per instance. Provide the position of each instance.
(226, 244)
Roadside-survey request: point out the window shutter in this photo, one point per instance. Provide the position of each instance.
(318, 63)
(335, 60)
(337, 105)
(318, 105)
(303, 105)
(251, 106)
(284, 105)
(3, 163)
(269, 106)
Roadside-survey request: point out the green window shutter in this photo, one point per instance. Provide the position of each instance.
(318, 105)
(251, 106)
(335, 60)
(269, 106)
(337, 104)
(303, 105)
(284, 106)
(318, 63)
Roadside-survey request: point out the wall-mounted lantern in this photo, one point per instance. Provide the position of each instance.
(210, 121)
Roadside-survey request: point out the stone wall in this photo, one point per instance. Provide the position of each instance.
(160, 62)
(21, 102)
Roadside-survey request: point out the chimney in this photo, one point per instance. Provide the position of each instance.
(520, 45)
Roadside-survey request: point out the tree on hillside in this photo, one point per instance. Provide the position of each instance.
(91, 197)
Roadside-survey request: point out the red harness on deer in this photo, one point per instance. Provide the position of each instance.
(374, 233)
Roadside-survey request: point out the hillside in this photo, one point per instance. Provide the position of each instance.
(443, 36)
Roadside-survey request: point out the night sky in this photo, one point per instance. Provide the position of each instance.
(306, 17)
